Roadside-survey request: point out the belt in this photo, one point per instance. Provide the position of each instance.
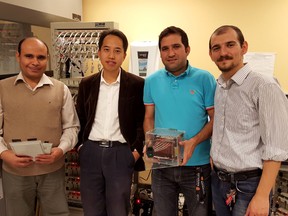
(225, 176)
(108, 143)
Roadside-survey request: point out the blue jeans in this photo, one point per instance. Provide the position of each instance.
(245, 192)
(167, 183)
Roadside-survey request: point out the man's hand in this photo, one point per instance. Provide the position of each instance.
(189, 147)
(56, 154)
(258, 206)
(136, 155)
(16, 161)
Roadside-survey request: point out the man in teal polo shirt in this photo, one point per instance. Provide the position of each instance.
(181, 97)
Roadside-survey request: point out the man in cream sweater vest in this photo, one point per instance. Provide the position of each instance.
(34, 106)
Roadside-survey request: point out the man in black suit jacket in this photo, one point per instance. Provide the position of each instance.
(111, 112)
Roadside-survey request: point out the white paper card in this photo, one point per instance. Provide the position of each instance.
(27, 148)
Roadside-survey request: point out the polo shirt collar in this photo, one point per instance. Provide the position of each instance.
(185, 73)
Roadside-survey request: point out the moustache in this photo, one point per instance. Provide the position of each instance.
(224, 58)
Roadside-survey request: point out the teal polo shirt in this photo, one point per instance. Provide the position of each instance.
(181, 102)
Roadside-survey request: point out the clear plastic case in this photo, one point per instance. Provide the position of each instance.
(162, 148)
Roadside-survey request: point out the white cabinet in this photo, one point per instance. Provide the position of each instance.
(40, 12)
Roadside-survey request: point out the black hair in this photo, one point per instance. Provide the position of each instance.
(114, 32)
(174, 30)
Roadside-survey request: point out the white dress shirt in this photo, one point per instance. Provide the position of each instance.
(250, 122)
(106, 122)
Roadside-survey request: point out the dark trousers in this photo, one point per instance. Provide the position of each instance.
(106, 177)
(20, 193)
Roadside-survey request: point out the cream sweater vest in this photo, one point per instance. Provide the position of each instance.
(28, 115)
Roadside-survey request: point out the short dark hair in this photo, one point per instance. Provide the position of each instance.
(174, 30)
(114, 32)
(223, 29)
(21, 42)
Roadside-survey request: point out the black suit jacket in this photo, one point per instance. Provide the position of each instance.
(130, 109)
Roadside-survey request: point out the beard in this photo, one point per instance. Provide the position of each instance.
(226, 67)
